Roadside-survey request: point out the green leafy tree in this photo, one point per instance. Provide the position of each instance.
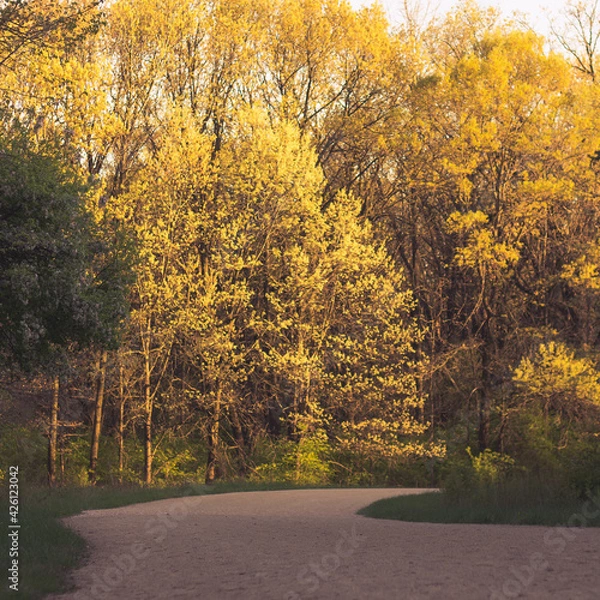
(55, 286)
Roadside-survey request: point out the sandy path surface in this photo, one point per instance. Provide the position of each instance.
(290, 545)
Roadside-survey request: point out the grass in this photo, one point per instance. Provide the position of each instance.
(48, 550)
(517, 504)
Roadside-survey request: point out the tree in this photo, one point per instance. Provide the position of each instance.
(579, 35)
(53, 289)
(32, 25)
(482, 180)
(331, 337)
(165, 233)
(98, 414)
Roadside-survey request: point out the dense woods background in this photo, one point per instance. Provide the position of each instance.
(281, 240)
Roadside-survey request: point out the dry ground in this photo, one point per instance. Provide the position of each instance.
(289, 545)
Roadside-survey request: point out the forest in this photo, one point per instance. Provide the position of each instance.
(282, 240)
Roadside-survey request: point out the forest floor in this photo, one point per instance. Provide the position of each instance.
(294, 544)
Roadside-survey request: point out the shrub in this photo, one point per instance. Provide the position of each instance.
(25, 447)
(303, 462)
(468, 475)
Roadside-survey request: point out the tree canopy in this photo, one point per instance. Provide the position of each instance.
(317, 247)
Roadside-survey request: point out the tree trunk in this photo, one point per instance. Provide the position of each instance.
(98, 412)
(62, 459)
(484, 397)
(121, 422)
(240, 444)
(53, 433)
(213, 440)
(148, 420)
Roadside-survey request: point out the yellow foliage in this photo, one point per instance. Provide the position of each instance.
(584, 271)
(555, 372)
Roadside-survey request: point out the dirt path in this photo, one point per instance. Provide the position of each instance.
(290, 545)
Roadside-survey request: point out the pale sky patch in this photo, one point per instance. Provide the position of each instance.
(537, 13)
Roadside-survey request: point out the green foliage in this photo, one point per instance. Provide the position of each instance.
(305, 462)
(353, 467)
(581, 463)
(176, 460)
(491, 467)
(470, 475)
(552, 423)
(556, 450)
(535, 439)
(316, 460)
(53, 285)
(24, 447)
(179, 460)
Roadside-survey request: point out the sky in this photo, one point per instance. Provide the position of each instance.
(538, 11)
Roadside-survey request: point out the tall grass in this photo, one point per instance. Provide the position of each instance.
(516, 501)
